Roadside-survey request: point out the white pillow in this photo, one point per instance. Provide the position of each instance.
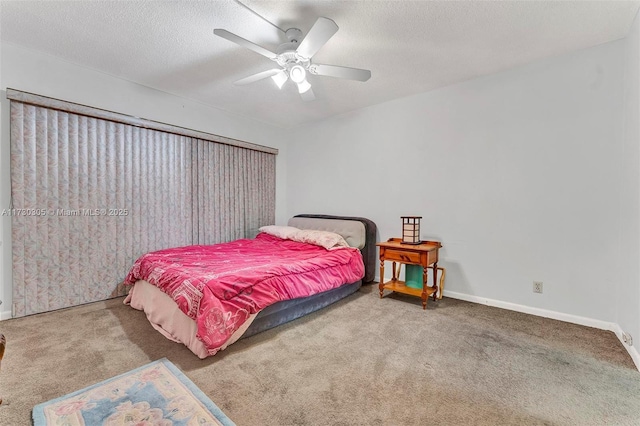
(326, 239)
(284, 232)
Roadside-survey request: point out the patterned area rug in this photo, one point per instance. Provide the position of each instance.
(154, 394)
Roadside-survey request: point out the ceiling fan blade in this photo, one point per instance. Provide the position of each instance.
(308, 95)
(244, 43)
(318, 35)
(340, 72)
(256, 77)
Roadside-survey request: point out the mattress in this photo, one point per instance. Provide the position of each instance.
(179, 325)
(165, 316)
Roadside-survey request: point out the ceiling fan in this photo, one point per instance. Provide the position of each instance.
(294, 58)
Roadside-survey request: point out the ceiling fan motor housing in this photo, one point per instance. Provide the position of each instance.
(293, 34)
(288, 57)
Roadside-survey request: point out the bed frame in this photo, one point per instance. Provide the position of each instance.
(288, 310)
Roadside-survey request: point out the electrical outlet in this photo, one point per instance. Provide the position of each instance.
(537, 286)
(626, 337)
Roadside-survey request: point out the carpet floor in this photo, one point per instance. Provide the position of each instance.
(361, 361)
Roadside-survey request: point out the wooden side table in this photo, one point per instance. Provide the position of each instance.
(424, 254)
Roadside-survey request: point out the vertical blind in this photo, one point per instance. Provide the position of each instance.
(91, 195)
(246, 191)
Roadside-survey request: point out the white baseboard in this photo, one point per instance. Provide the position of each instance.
(574, 319)
(5, 315)
(635, 356)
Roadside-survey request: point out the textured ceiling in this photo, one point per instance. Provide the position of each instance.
(410, 47)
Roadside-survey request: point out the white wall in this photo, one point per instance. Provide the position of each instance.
(46, 75)
(628, 292)
(517, 173)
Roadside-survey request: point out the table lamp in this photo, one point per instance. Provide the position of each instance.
(411, 229)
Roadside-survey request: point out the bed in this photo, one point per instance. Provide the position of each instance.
(208, 297)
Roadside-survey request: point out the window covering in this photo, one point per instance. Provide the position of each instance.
(91, 194)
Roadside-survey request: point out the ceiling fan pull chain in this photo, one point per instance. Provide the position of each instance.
(259, 16)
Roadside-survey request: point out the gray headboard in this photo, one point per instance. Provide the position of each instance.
(369, 249)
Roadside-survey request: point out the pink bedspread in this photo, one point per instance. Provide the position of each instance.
(219, 286)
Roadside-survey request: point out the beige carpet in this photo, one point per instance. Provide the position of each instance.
(362, 361)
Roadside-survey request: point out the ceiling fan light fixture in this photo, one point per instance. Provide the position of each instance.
(304, 86)
(280, 79)
(298, 74)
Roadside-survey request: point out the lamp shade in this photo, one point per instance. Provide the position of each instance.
(280, 78)
(297, 74)
(411, 229)
(304, 86)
